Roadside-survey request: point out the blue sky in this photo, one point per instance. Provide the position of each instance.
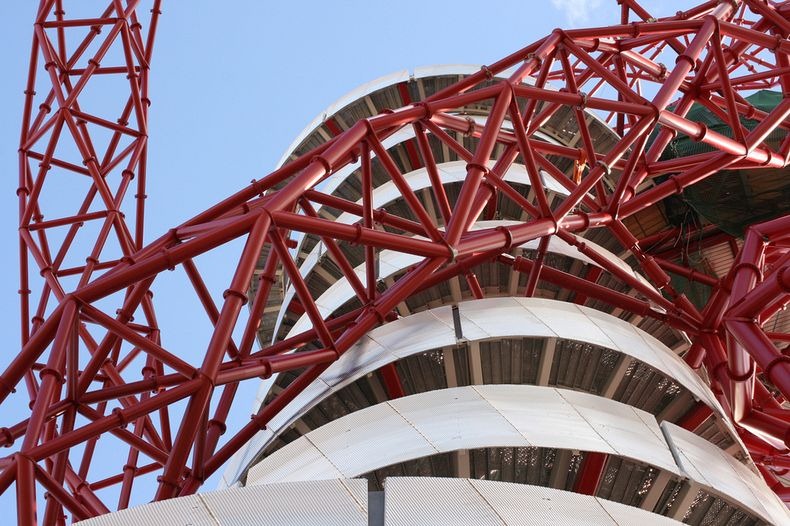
(234, 82)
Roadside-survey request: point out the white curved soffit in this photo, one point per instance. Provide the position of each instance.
(392, 262)
(460, 418)
(431, 501)
(484, 416)
(486, 319)
(376, 84)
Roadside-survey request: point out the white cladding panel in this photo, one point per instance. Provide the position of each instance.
(722, 475)
(441, 502)
(624, 428)
(313, 503)
(185, 511)
(468, 418)
(479, 320)
(454, 431)
(352, 442)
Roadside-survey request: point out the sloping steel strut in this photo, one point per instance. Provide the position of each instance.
(100, 375)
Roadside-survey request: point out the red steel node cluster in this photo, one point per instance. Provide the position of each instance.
(99, 374)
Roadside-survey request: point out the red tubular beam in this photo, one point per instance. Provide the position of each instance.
(686, 272)
(612, 64)
(59, 493)
(357, 234)
(761, 297)
(302, 292)
(25, 491)
(380, 216)
(590, 472)
(775, 365)
(371, 278)
(768, 426)
(338, 257)
(593, 290)
(392, 383)
(534, 274)
(701, 133)
(695, 416)
(476, 169)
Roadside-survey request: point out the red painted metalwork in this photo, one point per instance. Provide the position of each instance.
(93, 320)
(590, 472)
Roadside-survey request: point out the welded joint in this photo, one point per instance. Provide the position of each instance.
(470, 128)
(702, 133)
(773, 363)
(121, 417)
(534, 56)
(256, 419)
(7, 437)
(219, 424)
(675, 180)
(168, 257)
(235, 293)
(605, 167)
(428, 112)
(582, 102)
(748, 265)
(320, 159)
(508, 237)
(123, 315)
(740, 378)
(771, 158)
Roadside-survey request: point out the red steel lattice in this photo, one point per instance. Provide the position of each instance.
(92, 321)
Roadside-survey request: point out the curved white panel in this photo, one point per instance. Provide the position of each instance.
(438, 502)
(485, 319)
(470, 418)
(485, 416)
(314, 503)
(722, 475)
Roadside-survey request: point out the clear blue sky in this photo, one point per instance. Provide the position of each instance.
(234, 82)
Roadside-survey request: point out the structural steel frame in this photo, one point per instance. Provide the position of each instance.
(76, 350)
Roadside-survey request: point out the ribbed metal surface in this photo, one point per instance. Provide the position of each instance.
(429, 502)
(186, 511)
(512, 425)
(325, 503)
(303, 462)
(468, 418)
(722, 475)
(651, 386)
(628, 515)
(350, 442)
(444, 502)
(313, 503)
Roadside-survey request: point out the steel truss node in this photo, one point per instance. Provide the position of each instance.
(99, 374)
